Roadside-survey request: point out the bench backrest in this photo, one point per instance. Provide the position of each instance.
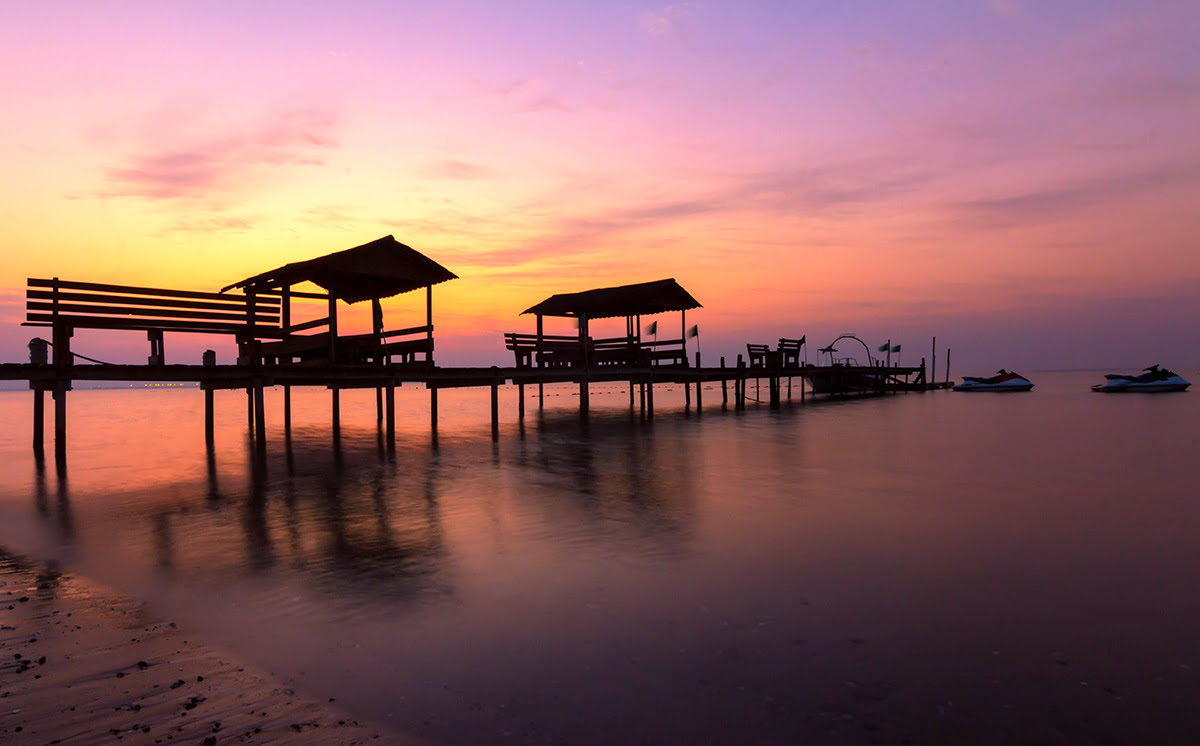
(790, 345)
(88, 305)
(757, 349)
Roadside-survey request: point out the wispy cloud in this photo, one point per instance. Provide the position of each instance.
(1053, 201)
(460, 170)
(204, 168)
(527, 95)
(666, 21)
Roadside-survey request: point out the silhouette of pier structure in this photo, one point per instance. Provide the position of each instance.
(275, 349)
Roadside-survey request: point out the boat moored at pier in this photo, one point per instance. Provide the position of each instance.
(1153, 380)
(1004, 380)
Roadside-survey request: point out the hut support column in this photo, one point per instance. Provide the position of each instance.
(495, 403)
(520, 401)
(336, 408)
(724, 385)
(287, 412)
(208, 417)
(433, 409)
(260, 424)
(60, 419)
(391, 416)
(250, 411)
(39, 421)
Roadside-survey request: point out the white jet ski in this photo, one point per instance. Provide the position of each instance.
(1004, 380)
(1154, 379)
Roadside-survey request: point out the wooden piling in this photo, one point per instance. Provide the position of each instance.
(520, 401)
(947, 365)
(391, 415)
(433, 408)
(249, 411)
(724, 385)
(209, 428)
(60, 420)
(336, 405)
(287, 412)
(650, 397)
(583, 396)
(260, 420)
(39, 421)
(379, 405)
(699, 384)
(495, 403)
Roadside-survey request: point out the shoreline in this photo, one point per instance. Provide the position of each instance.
(80, 663)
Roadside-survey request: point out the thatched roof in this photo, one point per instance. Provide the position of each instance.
(642, 299)
(380, 269)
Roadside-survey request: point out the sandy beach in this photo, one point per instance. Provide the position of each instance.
(81, 664)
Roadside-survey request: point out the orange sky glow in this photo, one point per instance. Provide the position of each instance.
(1020, 179)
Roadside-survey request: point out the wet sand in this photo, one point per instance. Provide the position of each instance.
(80, 664)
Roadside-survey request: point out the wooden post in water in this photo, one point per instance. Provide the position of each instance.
(60, 419)
(39, 421)
(932, 368)
(650, 396)
(249, 411)
(287, 411)
(260, 420)
(724, 385)
(642, 394)
(801, 389)
(336, 401)
(739, 384)
(391, 414)
(947, 365)
(209, 434)
(699, 383)
(433, 409)
(495, 403)
(520, 401)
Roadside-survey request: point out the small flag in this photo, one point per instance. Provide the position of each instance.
(652, 327)
(694, 331)
(803, 339)
(895, 348)
(883, 348)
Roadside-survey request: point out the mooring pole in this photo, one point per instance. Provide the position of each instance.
(209, 428)
(260, 420)
(947, 365)
(287, 412)
(650, 397)
(250, 411)
(699, 383)
(433, 409)
(789, 388)
(495, 403)
(520, 401)
(39, 421)
(801, 389)
(642, 396)
(631, 399)
(60, 419)
(336, 406)
(933, 366)
(379, 405)
(724, 385)
(391, 415)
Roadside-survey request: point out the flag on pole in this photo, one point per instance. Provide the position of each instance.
(652, 327)
(895, 348)
(883, 347)
(694, 331)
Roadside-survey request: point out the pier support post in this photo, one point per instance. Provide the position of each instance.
(209, 428)
(391, 416)
(789, 388)
(801, 389)
(249, 411)
(495, 403)
(541, 395)
(433, 409)
(520, 401)
(60, 420)
(260, 421)
(335, 396)
(39, 422)
(287, 412)
(774, 386)
(699, 383)
(631, 400)
(739, 384)
(724, 385)
(378, 405)
(583, 396)
(650, 398)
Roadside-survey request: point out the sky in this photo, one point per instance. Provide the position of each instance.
(1019, 179)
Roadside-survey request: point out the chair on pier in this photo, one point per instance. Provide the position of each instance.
(583, 351)
(756, 355)
(66, 306)
(789, 351)
(373, 271)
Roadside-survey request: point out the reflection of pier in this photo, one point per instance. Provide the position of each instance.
(277, 350)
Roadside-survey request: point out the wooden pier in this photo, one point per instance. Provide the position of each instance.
(276, 350)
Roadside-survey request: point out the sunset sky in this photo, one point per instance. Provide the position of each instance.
(1019, 178)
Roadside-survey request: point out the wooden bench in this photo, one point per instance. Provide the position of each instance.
(757, 355)
(354, 349)
(789, 351)
(560, 351)
(65, 306)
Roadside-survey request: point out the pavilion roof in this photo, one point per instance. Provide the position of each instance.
(641, 299)
(379, 269)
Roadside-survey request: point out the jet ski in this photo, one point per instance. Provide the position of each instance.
(1004, 380)
(1154, 379)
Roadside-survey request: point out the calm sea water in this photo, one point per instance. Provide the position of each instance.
(934, 567)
